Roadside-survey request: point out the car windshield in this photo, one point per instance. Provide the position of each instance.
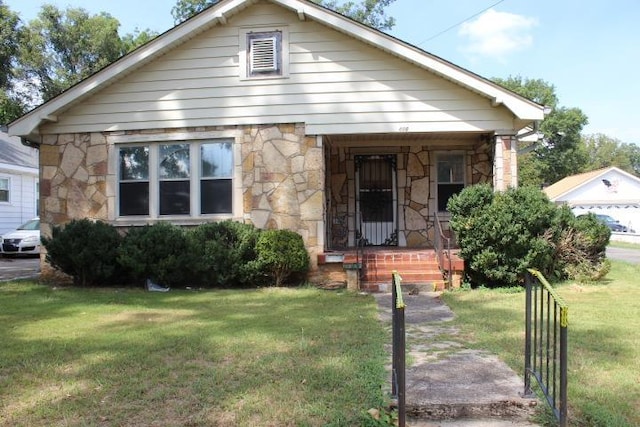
(606, 218)
(34, 224)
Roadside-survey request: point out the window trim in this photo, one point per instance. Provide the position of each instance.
(8, 179)
(282, 52)
(437, 178)
(195, 141)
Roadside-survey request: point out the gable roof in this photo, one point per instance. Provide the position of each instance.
(524, 110)
(574, 182)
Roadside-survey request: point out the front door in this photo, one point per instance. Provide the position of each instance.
(376, 212)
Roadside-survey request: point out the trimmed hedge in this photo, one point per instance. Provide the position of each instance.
(501, 234)
(222, 254)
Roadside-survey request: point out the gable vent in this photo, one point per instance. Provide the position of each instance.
(263, 54)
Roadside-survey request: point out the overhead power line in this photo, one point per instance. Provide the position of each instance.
(460, 23)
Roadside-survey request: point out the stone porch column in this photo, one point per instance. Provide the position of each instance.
(505, 164)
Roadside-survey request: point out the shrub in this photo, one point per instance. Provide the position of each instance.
(501, 234)
(225, 253)
(159, 252)
(85, 250)
(282, 255)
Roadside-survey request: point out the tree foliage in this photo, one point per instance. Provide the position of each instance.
(561, 153)
(369, 12)
(11, 104)
(604, 151)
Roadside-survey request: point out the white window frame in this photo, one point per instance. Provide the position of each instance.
(8, 180)
(439, 155)
(195, 141)
(280, 37)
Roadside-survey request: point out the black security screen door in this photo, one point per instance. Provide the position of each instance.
(376, 202)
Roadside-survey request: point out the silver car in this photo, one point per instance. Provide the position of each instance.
(25, 240)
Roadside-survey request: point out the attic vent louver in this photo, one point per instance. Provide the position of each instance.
(264, 54)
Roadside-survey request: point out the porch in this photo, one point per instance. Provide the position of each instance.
(369, 269)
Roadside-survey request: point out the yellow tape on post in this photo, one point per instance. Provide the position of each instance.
(396, 282)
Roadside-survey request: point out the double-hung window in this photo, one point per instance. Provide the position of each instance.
(5, 183)
(450, 170)
(176, 178)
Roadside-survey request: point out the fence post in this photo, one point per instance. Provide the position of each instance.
(527, 341)
(398, 384)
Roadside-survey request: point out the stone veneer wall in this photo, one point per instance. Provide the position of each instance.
(282, 180)
(416, 189)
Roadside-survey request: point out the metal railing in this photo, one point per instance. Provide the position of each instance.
(546, 343)
(398, 368)
(442, 246)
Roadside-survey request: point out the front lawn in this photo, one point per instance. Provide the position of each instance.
(604, 343)
(281, 357)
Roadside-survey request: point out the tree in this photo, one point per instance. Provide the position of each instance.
(61, 48)
(604, 151)
(369, 12)
(561, 153)
(11, 105)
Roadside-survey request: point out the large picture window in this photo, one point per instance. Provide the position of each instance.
(450, 169)
(176, 179)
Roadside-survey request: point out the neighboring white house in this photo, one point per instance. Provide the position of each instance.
(609, 191)
(18, 183)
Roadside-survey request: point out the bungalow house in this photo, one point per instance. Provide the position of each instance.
(279, 113)
(608, 191)
(18, 183)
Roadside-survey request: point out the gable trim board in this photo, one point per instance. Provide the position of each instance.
(523, 111)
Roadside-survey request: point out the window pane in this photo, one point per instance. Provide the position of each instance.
(451, 168)
(134, 198)
(174, 198)
(174, 161)
(445, 191)
(134, 163)
(217, 160)
(215, 196)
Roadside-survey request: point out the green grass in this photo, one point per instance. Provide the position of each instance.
(604, 341)
(304, 357)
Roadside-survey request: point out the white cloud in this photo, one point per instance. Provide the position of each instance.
(497, 34)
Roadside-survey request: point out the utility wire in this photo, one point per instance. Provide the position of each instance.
(460, 23)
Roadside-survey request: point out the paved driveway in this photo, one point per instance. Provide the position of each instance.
(18, 268)
(624, 254)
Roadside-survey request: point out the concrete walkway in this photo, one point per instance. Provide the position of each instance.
(447, 383)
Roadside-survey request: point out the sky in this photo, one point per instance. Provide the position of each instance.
(589, 50)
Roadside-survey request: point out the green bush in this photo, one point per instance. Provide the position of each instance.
(85, 250)
(501, 234)
(225, 254)
(282, 256)
(160, 252)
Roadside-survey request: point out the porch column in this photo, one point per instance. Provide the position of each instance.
(505, 163)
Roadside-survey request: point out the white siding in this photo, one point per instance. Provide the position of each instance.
(22, 200)
(336, 85)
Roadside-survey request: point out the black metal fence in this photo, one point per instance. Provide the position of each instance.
(398, 368)
(546, 343)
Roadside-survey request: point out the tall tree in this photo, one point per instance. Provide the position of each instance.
(562, 152)
(604, 151)
(369, 12)
(61, 48)
(11, 105)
